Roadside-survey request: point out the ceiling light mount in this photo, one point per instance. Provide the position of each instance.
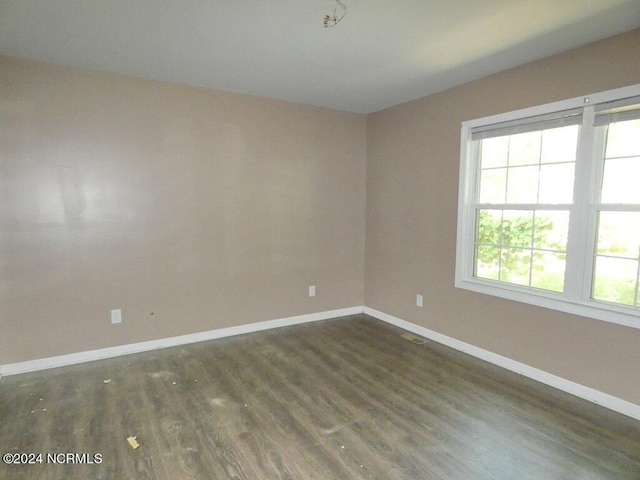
(332, 20)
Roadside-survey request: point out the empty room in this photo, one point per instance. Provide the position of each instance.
(328, 239)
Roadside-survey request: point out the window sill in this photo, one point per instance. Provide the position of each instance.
(553, 301)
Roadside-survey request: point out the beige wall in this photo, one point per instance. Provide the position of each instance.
(189, 209)
(412, 188)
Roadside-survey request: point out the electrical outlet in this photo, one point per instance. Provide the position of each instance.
(419, 301)
(116, 316)
(312, 290)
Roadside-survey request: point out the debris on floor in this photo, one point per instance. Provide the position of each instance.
(133, 442)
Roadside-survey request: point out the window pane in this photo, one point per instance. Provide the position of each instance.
(487, 262)
(559, 144)
(495, 152)
(504, 251)
(525, 179)
(556, 183)
(515, 265)
(488, 225)
(517, 228)
(548, 271)
(551, 230)
(623, 139)
(619, 234)
(524, 148)
(493, 185)
(615, 280)
(621, 180)
(522, 185)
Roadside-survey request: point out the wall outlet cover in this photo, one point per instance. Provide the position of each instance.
(116, 316)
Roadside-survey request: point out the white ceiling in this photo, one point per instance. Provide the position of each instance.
(381, 54)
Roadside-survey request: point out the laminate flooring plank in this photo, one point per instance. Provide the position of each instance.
(356, 408)
(266, 414)
(533, 417)
(378, 359)
(292, 379)
(235, 402)
(338, 399)
(460, 415)
(280, 405)
(370, 396)
(389, 421)
(194, 440)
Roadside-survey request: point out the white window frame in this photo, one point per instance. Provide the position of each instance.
(576, 296)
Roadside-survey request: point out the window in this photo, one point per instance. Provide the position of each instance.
(549, 206)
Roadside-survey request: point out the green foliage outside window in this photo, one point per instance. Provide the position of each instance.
(516, 248)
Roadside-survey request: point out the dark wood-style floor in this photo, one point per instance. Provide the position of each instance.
(339, 399)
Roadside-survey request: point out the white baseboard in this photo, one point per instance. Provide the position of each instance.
(595, 396)
(88, 356)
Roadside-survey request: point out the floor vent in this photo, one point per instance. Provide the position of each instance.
(413, 338)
